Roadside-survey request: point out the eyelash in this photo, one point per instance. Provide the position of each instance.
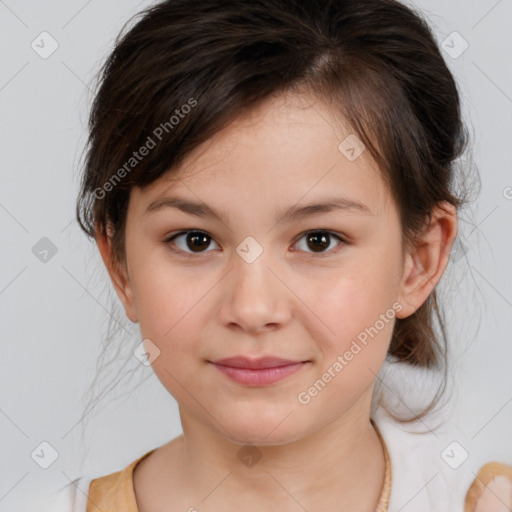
(169, 241)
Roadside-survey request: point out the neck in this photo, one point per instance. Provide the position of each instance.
(339, 467)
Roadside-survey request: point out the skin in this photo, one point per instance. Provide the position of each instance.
(291, 302)
(496, 496)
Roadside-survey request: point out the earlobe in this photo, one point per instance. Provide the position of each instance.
(426, 262)
(118, 275)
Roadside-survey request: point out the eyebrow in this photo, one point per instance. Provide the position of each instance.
(295, 212)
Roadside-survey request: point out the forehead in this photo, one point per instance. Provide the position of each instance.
(290, 149)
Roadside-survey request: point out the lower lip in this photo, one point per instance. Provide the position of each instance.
(260, 377)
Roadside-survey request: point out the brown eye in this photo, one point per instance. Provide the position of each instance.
(195, 241)
(319, 241)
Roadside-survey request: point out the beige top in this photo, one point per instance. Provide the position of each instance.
(116, 491)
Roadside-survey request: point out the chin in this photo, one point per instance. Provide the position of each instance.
(265, 433)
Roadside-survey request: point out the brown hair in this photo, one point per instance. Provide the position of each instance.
(187, 68)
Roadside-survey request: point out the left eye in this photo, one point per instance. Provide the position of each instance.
(320, 240)
(198, 240)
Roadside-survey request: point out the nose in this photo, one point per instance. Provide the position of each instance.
(255, 297)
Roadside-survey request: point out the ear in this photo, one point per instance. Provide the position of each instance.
(118, 273)
(425, 263)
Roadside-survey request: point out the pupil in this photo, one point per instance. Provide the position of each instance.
(198, 239)
(323, 244)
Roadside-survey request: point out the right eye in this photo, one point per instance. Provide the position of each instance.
(194, 240)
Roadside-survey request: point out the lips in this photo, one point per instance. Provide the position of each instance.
(257, 372)
(255, 364)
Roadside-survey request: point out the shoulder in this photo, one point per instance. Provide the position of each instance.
(491, 490)
(433, 471)
(115, 491)
(434, 466)
(112, 492)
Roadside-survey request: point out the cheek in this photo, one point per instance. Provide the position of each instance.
(168, 300)
(359, 307)
(360, 316)
(355, 302)
(171, 313)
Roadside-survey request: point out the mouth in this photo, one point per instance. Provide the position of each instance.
(257, 372)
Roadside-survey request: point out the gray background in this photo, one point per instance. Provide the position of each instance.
(54, 313)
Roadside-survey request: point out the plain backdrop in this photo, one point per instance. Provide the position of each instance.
(55, 300)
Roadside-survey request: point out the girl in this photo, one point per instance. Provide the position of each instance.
(270, 186)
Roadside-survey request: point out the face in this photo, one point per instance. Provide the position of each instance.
(320, 288)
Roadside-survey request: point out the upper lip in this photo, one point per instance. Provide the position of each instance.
(255, 363)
